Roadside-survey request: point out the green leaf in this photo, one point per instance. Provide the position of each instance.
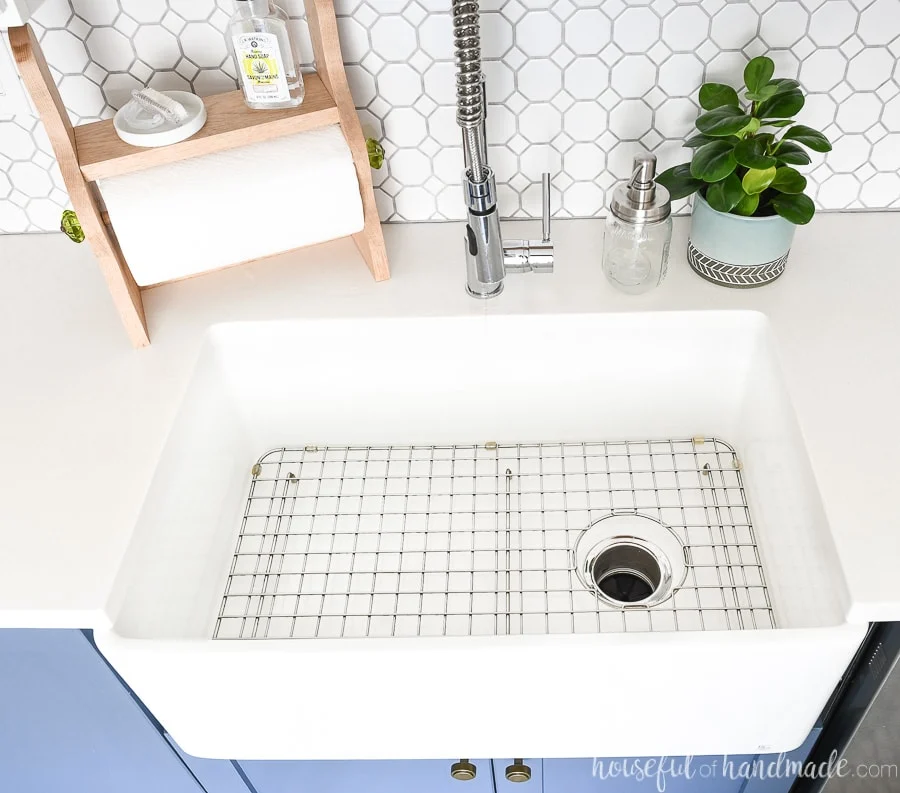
(724, 196)
(752, 154)
(809, 137)
(696, 141)
(713, 95)
(797, 209)
(783, 85)
(774, 88)
(782, 122)
(782, 106)
(747, 205)
(714, 161)
(757, 179)
(767, 92)
(758, 72)
(752, 127)
(679, 182)
(787, 180)
(792, 154)
(723, 121)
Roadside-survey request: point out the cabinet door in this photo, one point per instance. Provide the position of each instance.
(370, 776)
(67, 725)
(216, 776)
(639, 775)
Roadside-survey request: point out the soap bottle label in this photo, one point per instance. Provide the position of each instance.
(261, 67)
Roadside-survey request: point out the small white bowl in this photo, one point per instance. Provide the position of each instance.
(166, 133)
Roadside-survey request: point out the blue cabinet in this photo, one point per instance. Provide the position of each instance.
(640, 774)
(68, 725)
(362, 776)
(702, 774)
(215, 776)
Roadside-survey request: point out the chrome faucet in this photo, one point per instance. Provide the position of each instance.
(487, 258)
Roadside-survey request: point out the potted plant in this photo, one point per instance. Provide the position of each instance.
(749, 197)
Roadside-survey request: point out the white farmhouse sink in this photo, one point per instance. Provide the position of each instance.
(727, 663)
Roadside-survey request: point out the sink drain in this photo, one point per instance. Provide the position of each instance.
(626, 572)
(629, 560)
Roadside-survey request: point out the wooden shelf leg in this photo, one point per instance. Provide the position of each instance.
(126, 294)
(330, 67)
(370, 243)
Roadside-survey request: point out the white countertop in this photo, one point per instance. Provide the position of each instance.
(84, 416)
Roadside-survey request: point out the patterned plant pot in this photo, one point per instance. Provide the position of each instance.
(736, 251)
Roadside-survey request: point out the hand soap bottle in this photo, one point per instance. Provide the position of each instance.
(264, 55)
(638, 230)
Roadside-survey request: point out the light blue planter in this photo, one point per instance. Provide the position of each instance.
(736, 251)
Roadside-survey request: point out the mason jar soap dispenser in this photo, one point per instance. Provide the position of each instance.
(638, 230)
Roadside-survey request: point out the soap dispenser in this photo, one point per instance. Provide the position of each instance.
(264, 56)
(638, 230)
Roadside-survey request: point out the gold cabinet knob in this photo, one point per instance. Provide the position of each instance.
(463, 770)
(518, 771)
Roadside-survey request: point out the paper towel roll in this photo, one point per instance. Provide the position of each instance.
(224, 208)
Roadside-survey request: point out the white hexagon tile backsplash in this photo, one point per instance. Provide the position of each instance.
(574, 87)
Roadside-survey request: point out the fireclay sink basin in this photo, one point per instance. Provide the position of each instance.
(545, 536)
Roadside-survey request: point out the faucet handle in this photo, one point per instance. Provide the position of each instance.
(545, 213)
(536, 256)
(541, 252)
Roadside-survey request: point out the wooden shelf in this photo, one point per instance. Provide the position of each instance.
(230, 123)
(94, 151)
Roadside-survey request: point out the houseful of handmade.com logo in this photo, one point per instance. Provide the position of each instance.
(658, 772)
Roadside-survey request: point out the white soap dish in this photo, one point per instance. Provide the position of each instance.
(140, 127)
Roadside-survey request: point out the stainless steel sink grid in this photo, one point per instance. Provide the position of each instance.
(479, 540)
